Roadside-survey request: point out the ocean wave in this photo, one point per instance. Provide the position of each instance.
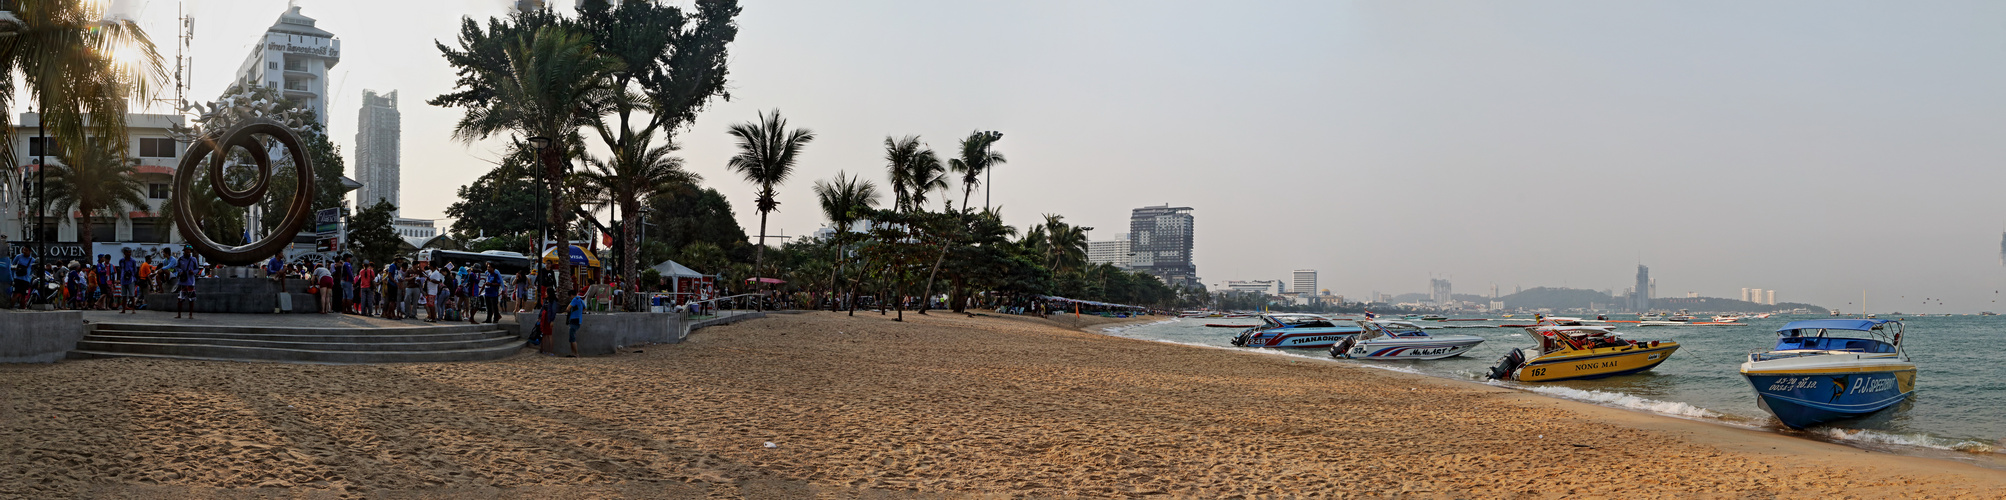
(1121, 328)
(1869, 436)
(1622, 400)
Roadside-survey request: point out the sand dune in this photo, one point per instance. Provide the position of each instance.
(867, 407)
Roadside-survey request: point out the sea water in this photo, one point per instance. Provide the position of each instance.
(1959, 403)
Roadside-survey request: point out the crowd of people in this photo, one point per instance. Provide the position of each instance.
(102, 284)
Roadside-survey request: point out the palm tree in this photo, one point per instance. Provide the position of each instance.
(544, 91)
(77, 63)
(842, 200)
(914, 170)
(767, 152)
(976, 158)
(1064, 245)
(634, 174)
(95, 180)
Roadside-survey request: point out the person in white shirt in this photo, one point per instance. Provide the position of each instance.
(433, 279)
(322, 278)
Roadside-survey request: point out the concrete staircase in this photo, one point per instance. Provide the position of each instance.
(417, 344)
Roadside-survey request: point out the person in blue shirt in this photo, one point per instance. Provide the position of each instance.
(276, 268)
(24, 270)
(185, 270)
(491, 285)
(576, 317)
(127, 276)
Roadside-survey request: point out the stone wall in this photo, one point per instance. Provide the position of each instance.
(603, 333)
(239, 295)
(39, 336)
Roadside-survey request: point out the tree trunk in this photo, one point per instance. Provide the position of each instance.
(631, 252)
(926, 301)
(84, 232)
(758, 259)
(836, 268)
(566, 280)
(957, 295)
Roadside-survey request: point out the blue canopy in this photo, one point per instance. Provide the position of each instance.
(1834, 324)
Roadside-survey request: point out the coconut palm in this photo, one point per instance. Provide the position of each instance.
(96, 181)
(977, 156)
(914, 170)
(767, 152)
(842, 200)
(76, 63)
(630, 176)
(544, 90)
(1064, 245)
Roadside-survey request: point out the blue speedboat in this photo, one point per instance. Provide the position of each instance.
(1814, 376)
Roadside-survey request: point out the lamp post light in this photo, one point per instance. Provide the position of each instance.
(540, 144)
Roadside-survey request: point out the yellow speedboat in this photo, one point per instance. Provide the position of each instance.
(1580, 352)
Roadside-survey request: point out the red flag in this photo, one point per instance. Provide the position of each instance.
(606, 239)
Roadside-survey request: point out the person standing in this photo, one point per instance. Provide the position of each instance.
(433, 280)
(185, 269)
(7, 274)
(414, 288)
(344, 278)
(128, 281)
(365, 293)
(24, 270)
(575, 318)
(491, 285)
(393, 290)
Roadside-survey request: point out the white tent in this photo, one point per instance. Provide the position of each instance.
(670, 269)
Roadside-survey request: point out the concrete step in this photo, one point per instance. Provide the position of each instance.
(348, 336)
(247, 353)
(97, 341)
(291, 330)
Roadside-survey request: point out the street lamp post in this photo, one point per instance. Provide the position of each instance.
(539, 144)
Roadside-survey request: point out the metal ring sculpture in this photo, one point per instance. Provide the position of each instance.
(217, 147)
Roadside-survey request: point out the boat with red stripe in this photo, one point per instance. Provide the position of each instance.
(1394, 340)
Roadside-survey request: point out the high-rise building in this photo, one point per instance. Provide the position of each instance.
(1640, 299)
(528, 5)
(378, 146)
(1264, 287)
(1160, 243)
(1304, 282)
(1772, 297)
(293, 57)
(1755, 295)
(1109, 252)
(1744, 295)
(1439, 292)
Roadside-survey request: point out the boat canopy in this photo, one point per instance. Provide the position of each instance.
(1393, 328)
(1797, 328)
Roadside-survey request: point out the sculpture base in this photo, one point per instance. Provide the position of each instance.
(240, 296)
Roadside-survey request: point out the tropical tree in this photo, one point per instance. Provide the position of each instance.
(977, 156)
(370, 234)
(95, 180)
(543, 91)
(1064, 245)
(81, 66)
(624, 181)
(843, 199)
(914, 170)
(767, 152)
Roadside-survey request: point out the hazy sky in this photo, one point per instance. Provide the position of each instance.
(1815, 148)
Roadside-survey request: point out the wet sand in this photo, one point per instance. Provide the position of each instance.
(864, 407)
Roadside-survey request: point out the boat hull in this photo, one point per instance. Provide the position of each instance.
(1434, 348)
(1320, 338)
(1595, 363)
(1800, 400)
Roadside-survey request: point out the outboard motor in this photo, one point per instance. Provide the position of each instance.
(1506, 365)
(1343, 347)
(1241, 341)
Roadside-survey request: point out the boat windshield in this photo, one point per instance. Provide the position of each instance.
(1824, 334)
(1304, 321)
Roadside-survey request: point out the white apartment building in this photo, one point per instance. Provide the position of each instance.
(293, 57)
(147, 139)
(415, 231)
(1264, 287)
(1304, 281)
(1772, 297)
(378, 147)
(1110, 252)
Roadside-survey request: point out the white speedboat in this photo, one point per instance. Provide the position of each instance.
(1401, 340)
(1812, 377)
(1726, 318)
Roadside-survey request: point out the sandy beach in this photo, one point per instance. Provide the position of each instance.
(864, 407)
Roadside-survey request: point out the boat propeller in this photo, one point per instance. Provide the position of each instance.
(1506, 365)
